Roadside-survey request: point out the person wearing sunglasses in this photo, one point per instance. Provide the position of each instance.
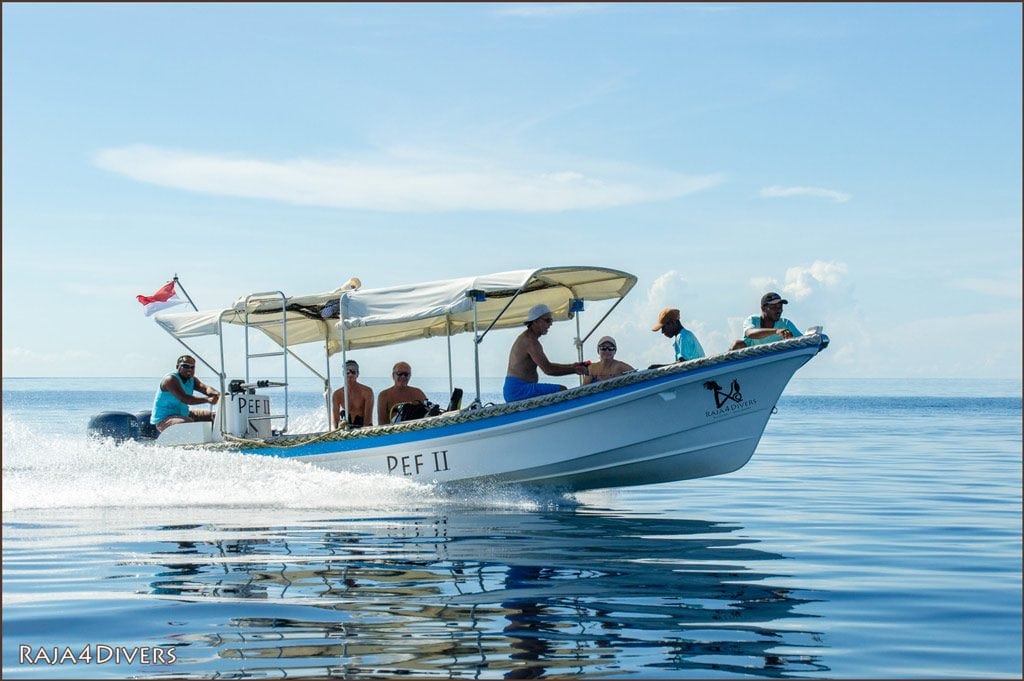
(400, 392)
(770, 326)
(685, 345)
(360, 400)
(526, 355)
(176, 394)
(607, 366)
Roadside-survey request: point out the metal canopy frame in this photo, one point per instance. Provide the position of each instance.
(477, 296)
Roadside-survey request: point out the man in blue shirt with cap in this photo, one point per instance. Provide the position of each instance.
(685, 345)
(770, 326)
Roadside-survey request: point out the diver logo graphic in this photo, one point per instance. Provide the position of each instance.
(721, 397)
(728, 403)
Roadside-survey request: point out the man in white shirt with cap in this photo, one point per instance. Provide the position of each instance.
(526, 355)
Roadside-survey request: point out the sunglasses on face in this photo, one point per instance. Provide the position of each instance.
(183, 365)
(403, 374)
(607, 348)
(352, 372)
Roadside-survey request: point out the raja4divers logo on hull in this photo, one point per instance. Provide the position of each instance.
(727, 402)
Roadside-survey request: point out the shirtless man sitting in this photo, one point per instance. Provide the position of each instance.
(360, 400)
(526, 355)
(400, 392)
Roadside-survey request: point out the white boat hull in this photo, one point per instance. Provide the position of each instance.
(701, 419)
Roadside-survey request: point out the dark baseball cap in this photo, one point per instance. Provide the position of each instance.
(772, 298)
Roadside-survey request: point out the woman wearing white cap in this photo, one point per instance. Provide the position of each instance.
(607, 367)
(526, 355)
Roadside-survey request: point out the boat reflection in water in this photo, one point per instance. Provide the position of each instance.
(489, 595)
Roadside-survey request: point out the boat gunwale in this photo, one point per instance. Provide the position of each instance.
(392, 434)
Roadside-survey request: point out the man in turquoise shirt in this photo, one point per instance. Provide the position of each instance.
(770, 326)
(686, 344)
(175, 394)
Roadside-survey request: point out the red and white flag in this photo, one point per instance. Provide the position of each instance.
(164, 298)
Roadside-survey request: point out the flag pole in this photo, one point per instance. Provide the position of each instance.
(177, 284)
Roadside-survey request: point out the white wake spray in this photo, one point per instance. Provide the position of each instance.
(47, 471)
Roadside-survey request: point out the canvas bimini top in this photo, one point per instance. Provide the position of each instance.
(383, 316)
(377, 317)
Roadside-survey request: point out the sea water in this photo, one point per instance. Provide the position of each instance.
(876, 533)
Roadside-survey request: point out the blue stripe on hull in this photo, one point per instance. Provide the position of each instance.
(363, 444)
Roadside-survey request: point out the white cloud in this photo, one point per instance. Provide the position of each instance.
(801, 281)
(821, 294)
(545, 10)
(631, 324)
(663, 290)
(778, 192)
(407, 181)
(1009, 287)
(986, 344)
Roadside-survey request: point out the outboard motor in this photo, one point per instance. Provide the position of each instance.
(119, 425)
(147, 431)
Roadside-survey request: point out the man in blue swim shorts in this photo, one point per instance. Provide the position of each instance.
(526, 355)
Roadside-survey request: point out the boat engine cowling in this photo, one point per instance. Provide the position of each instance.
(147, 431)
(119, 425)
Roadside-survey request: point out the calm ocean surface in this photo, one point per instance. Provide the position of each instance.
(876, 533)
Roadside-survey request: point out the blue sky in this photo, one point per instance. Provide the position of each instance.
(865, 160)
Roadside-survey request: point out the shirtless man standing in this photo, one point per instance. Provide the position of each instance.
(360, 400)
(527, 355)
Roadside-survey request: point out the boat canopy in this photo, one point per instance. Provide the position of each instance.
(383, 316)
(376, 317)
(308, 317)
